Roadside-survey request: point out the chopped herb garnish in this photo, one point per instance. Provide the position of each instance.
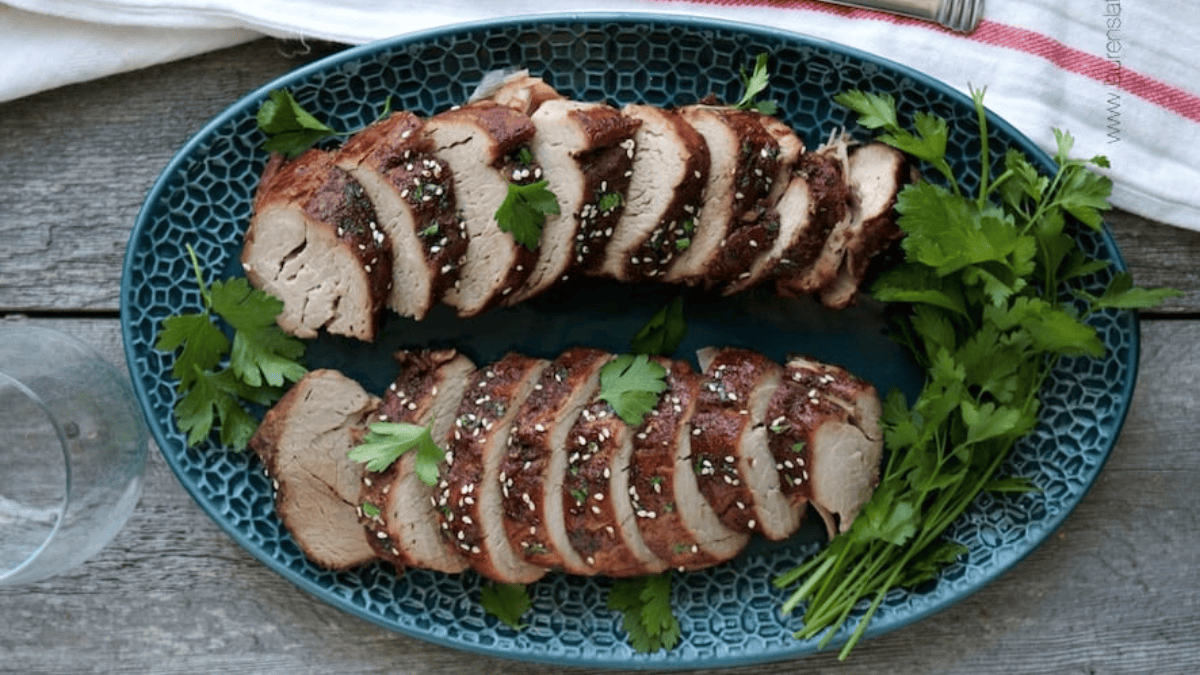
(524, 211)
(631, 385)
(609, 201)
(507, 602)
(370, 510)
(291, 129)
(385, 442)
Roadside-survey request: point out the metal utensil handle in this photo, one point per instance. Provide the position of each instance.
(959, 15)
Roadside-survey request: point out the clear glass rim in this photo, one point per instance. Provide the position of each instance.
(7, 380)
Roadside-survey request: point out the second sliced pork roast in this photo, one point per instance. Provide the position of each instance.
(541, 474)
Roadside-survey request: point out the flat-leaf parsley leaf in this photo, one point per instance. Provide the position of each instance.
(631, 385)
(385, 442)
(646, 605)
(524, 211)
(291, 129)
(507, 602)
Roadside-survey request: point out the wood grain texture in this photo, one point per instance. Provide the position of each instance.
(1112, 592)
(77, 162)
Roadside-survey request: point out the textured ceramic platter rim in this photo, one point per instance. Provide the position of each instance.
(730, 613)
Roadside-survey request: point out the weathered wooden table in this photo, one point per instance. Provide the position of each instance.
(1116, 590)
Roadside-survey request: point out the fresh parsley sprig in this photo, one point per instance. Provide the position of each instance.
(646, 605)
(523, 212)
(291, 129)
(631, 384)
(754, 84)
(261, 359)
(385, 442)
(507, 602)
(663, 333)
(982, 282)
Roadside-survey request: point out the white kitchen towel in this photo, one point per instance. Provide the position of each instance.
(1123, 77)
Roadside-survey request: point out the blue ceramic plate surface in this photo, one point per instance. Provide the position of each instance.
(730, 613)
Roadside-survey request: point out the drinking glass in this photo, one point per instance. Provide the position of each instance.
(72, 453)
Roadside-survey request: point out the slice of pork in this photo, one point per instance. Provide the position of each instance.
(877, 173)
(598, 510)
(469, 499)
(767, 151)
(586, 152)
(793, 219)
(737, 473)
(482, 144)
(744, 161)
(303, 442)
(811, 261)
(674, 518)
(314, 243)
(535, 460)
(825, 437)
(403, 525)
(413, 193)
(666, 189)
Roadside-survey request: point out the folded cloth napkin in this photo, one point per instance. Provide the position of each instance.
(1123, 78)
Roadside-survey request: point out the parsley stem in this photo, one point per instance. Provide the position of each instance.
(199, 279)
(984, 163)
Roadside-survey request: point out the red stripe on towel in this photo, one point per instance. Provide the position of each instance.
(1100, 69)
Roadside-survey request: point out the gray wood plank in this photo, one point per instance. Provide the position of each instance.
(1112, 592)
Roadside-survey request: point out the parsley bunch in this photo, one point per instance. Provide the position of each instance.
(986, 312)
(261, 359)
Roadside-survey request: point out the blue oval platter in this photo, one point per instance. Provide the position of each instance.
(729, 614)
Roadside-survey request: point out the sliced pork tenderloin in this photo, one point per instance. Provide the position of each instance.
(486, 146)
(743, 167)
(877, 174)
(766, 156)
(413, 194)
(469, 499)
(675, 520)
(596, 500)
(586, 153)
(666, 190)
(302, 442)
(811, 261)
(403, 525)
(534, 464)
(737, 473)
(314, 243)
(815, 199)
(825, 437)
